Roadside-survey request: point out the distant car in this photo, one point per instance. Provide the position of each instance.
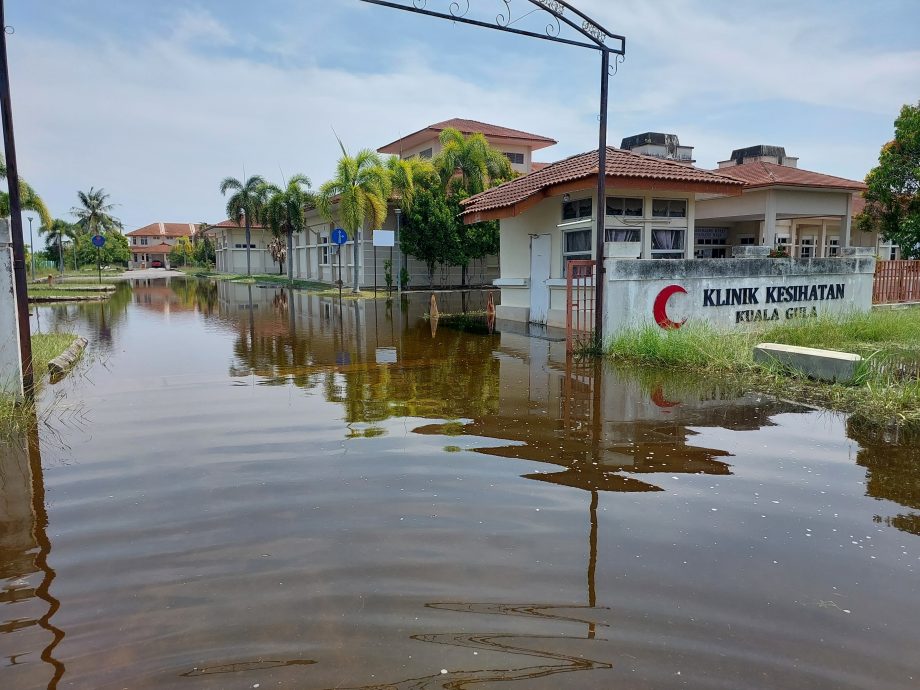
(156, 263)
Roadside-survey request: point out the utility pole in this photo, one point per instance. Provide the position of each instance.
(19, 254)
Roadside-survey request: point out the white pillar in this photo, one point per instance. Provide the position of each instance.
(823, 253)
(769, 222)
(846, 224)
(690, 249)
(10, 366)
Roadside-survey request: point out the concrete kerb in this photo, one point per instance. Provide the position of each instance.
(823, 365)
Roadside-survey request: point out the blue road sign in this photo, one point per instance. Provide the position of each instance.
(339, 236)
(99, 241)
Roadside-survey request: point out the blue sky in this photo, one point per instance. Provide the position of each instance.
(158, 101)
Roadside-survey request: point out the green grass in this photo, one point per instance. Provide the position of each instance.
(45, 347)
(886, 390)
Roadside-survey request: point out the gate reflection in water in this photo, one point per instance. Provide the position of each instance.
(278, 507)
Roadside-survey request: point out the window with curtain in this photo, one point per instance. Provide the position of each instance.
(668, 243)
(623, 235)
(576, 245)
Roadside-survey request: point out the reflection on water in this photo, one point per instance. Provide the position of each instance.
(26, 628)
(262, 496)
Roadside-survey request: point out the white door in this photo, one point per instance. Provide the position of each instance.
(541, 249)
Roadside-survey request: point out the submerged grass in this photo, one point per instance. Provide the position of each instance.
(45, 347)
(886, 390)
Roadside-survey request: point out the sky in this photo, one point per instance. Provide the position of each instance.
(157, 102)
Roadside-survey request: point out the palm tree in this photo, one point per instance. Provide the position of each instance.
(470, 163)
(94, 214)
(278, 251)
(56, 232)
(245, 205)
(359, 191)
(405, 175)
(284, 212)
(29, 200)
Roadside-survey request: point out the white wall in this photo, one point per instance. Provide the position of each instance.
(633, 288)
(10, 366)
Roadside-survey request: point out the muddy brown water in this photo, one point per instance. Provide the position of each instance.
(243, 488)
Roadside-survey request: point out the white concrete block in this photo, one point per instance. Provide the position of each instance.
(823, 365)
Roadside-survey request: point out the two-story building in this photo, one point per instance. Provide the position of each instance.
(151, 244)
(316, 258)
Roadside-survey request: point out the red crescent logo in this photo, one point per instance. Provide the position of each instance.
(660, 401)
(661, 308)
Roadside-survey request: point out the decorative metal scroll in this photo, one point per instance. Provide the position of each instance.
(557, 18)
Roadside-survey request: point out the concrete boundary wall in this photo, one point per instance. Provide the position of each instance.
(733, 293)
(10, 366)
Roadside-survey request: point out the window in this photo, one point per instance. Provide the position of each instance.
(808, 248)
(833, 246)
(144, 241)
(324, 251)
(577, 210)
(669, 208)
(576, 245)
(427, 154)
(668, 243)
(243, 246)
(622, 235)
(515, 158)
(747, 241)
(622, 206)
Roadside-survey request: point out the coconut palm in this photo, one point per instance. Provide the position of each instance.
(55, 233)
(405, 175)
(284, 212)
(356, 196)
(245, 204)
(29, 200)
(470, 163)
(94, 214)
(278, 251)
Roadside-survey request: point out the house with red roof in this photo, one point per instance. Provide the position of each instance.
(548, 219)
(151, 244)
(802, 213)
(317, 258)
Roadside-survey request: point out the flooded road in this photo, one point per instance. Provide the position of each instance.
(248, 489)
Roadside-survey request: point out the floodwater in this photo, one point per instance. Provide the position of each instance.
(247, 489)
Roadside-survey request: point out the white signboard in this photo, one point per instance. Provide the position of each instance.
(384, 238)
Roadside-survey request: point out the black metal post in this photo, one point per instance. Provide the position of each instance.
(19, 254)
(340, 273)
(98, 266)
(601, 202)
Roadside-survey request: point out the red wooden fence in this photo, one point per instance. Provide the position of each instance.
(579, 303)
(897, 282)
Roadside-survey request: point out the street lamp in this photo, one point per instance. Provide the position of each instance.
(398, 253)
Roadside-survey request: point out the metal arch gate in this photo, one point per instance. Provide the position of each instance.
(580, 304)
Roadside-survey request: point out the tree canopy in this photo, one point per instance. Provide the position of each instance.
(893, 197)
(94, 213)
(284, 214)
(244, 205)
(357, 196)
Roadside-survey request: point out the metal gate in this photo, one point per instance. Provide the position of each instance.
(579, 303)
(897, 282)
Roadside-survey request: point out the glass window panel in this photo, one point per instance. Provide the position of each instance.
(578, 241)
(660, 208)
(622, 235)
(634, 207)
(614, 206)
(678, 208)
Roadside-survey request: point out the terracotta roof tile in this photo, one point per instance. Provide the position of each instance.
(620, 164)
(165, 230)
(470, 127)
(762, 174)
(151, 249)
(234, 224)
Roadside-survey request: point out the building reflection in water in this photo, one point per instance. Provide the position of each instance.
(28, 604)
(505, 394)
